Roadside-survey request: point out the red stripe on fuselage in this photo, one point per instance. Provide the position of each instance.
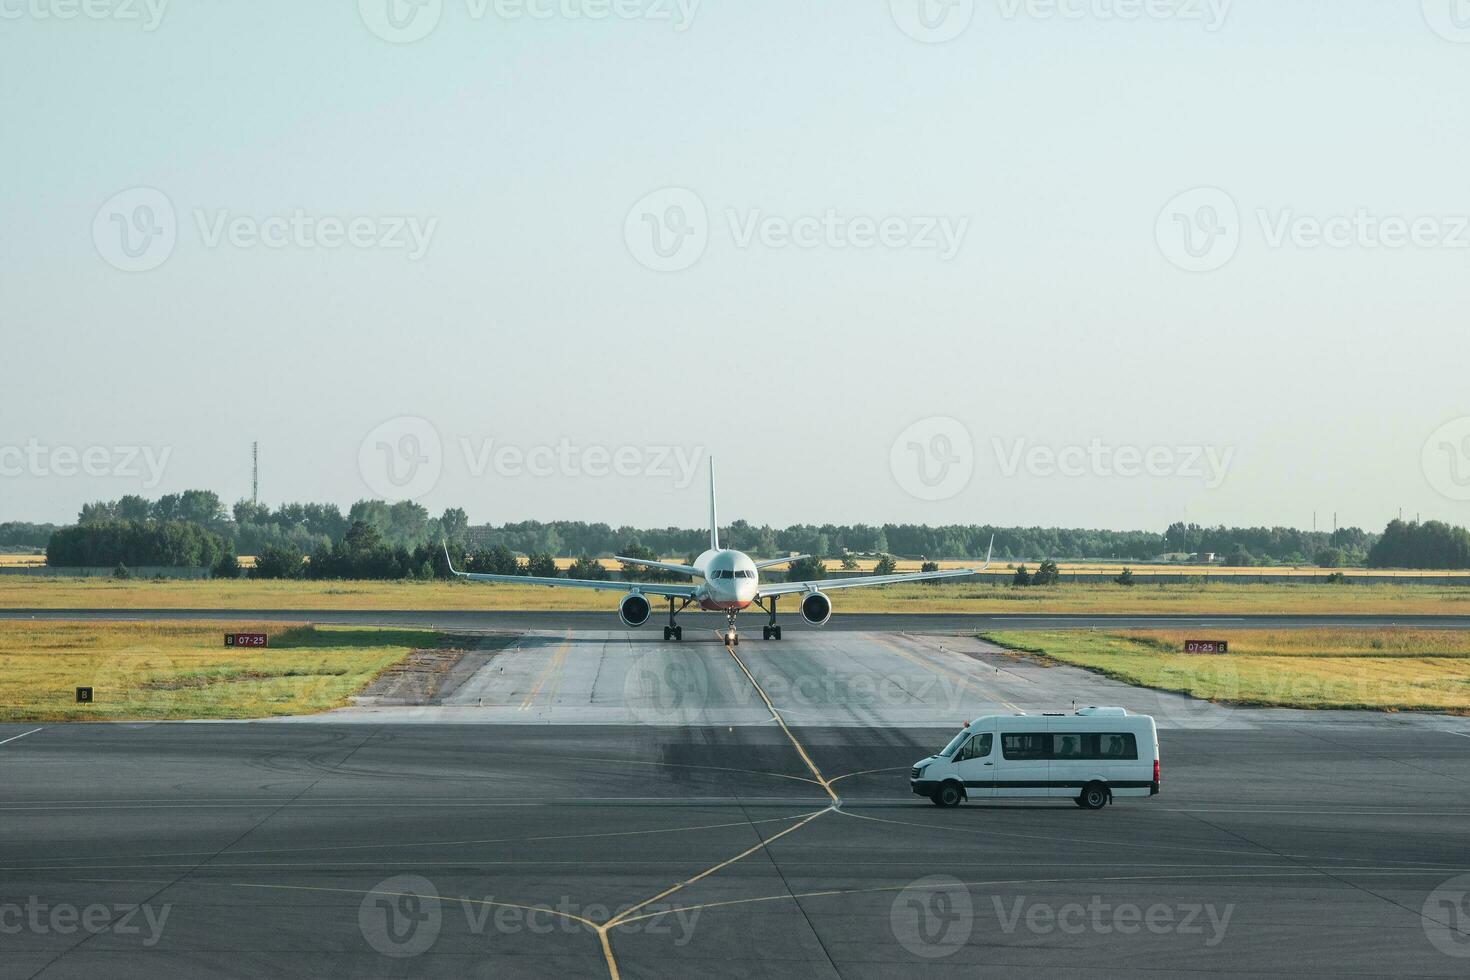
(710, 605)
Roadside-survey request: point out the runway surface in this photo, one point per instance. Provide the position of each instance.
(635, 809)
(841, 622)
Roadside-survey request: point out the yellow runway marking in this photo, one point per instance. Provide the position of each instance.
(628, 914)
(760, 845)
(964, 681)
(551, 665)
(879, 889)
(800, 749)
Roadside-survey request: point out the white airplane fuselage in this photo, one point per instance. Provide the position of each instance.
(731, 580)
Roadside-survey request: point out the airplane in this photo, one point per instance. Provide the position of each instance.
(723, 580)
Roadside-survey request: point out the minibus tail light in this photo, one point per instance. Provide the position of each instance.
(1156, 770)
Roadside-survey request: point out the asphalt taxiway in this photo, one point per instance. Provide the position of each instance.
(628, 808)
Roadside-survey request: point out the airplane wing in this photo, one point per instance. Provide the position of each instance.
(663, 566)
(859, 581)
(574, 583)
(769, 562)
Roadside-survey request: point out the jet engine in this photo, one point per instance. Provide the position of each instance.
(816, 608)
(634, 609)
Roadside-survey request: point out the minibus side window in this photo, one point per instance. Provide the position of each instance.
(977, 747)
(1028, 746)
(1067, 746)
(1118, 746)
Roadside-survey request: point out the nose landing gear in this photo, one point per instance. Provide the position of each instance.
(731, 638)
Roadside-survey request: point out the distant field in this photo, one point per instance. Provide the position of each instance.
(164, 670)
(1101, 568)
(17, 592)
(1409, 670)
(22, 561)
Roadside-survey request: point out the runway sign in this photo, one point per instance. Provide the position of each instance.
(246, 640)
(1206, 646)
(84, 695)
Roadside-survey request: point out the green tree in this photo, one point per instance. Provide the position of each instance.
(1047, 573)
(587, 568)
(886, 566)
(453, 524)
(1126, 578)
(806, 570)
(228, 566)
(1022, 576)
(541, 566)
(278, 563)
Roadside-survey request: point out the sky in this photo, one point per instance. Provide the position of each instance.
(1103, 263)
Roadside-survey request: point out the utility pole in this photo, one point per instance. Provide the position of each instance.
(255, 474)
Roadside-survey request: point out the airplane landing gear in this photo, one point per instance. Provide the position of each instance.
(674, 631)
(770, 631)
(731, 638)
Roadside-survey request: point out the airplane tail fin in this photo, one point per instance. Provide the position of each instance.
(714, 521)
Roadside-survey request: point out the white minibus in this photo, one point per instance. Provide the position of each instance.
(1090, 757)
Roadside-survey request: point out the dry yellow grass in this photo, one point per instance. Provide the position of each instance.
(22, 561)
(1411, 670)
(173, 670)
(18, 592)
(1097, 568)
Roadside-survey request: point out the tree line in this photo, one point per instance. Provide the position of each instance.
(404, 540)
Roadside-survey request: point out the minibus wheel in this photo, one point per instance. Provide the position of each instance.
(1094, 797)
(948, 795)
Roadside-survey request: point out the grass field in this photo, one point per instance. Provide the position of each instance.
(1408, 670)
(1181, 598)
(166, 670)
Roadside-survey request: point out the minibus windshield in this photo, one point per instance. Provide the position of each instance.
(949, 749)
